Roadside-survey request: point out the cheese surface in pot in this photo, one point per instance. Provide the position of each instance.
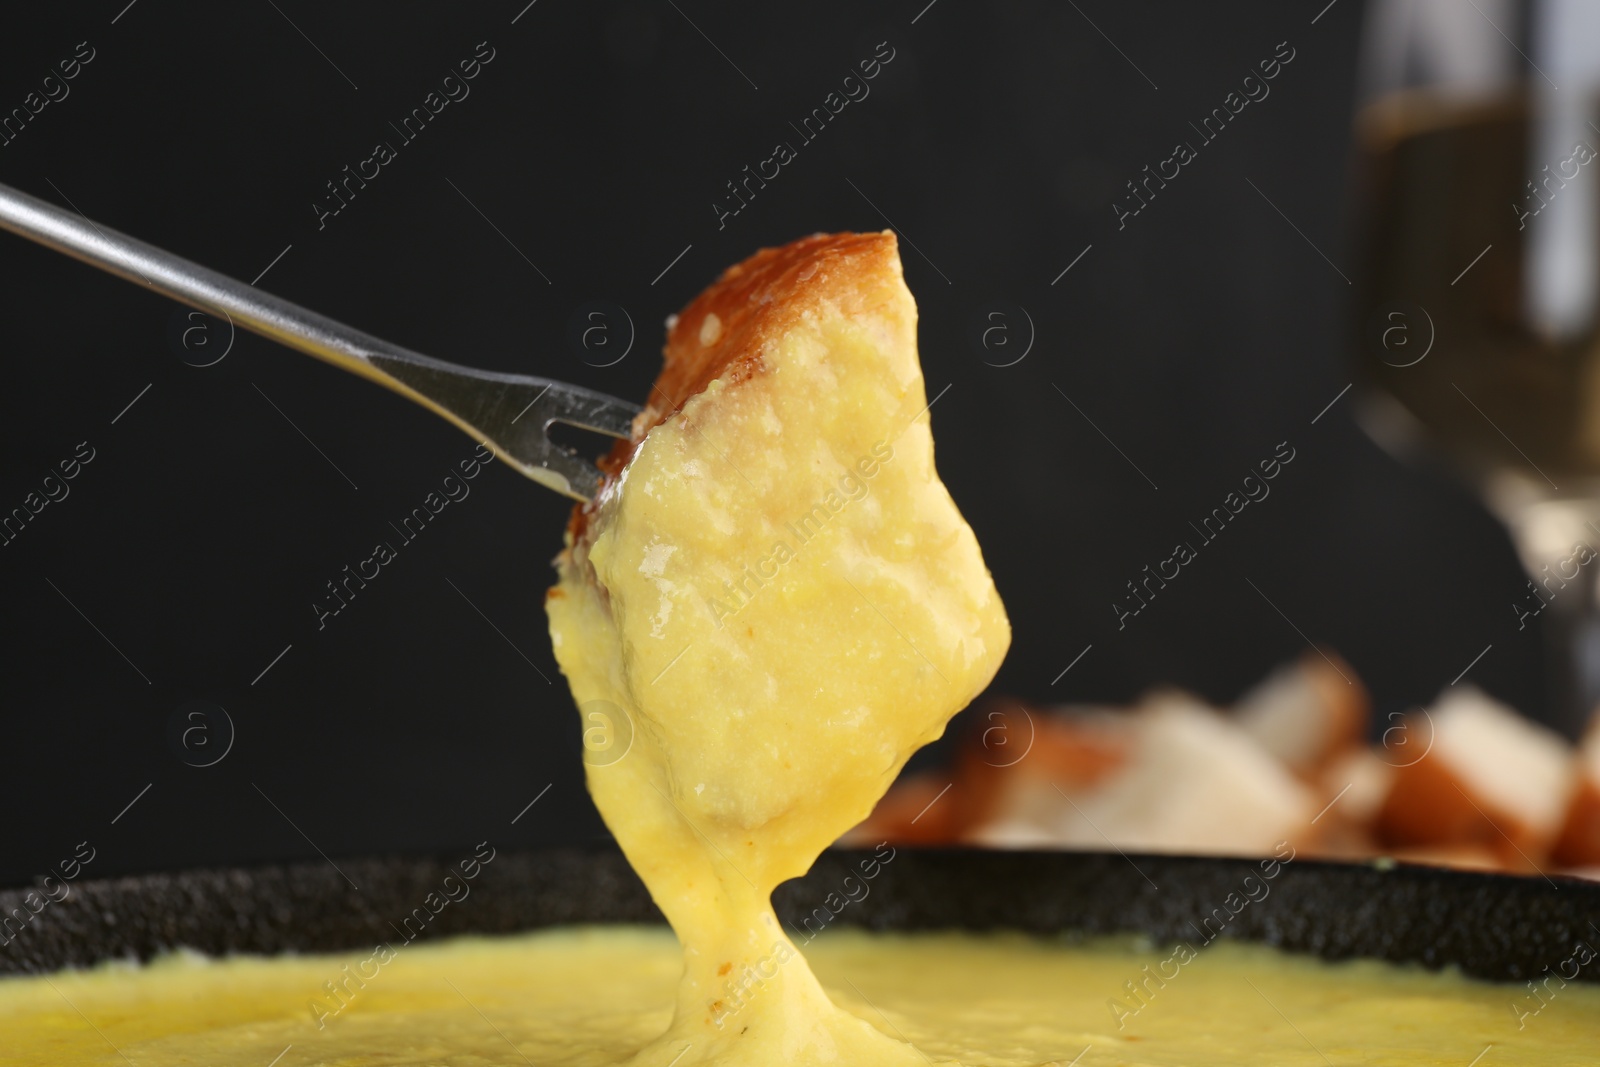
(769, 606)
(593, 997)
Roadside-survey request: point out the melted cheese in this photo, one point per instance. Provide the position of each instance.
(773, 605)
(592, 998)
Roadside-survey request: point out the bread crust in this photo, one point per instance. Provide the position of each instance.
(1579, 844)
(756, 303)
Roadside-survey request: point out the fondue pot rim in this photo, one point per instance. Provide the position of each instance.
(1494, 926)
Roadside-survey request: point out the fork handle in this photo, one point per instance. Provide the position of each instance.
(200, 287)
(477, 401)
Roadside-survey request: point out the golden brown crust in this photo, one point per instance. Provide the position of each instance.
(1009, 740)
(755, 303)
(1579, 844)
(910, 814)
(1431, 805)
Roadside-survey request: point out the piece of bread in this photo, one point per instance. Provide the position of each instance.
(918, 810)
(1490, 778)
(1307, 713)
(1579, 843)
(1015, 756)
(1197, 782)
(772, 587)
(724, 334)
(1174, 776)
(1009, 763)
(1361, 780)
(1353, 788)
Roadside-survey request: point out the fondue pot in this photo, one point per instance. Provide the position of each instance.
(1491, 926)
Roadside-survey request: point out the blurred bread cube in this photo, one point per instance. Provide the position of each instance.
(917, 810)
(1307, 713)
(1476, 773)
(1579, 843)
(1017, 761)
(1190, 780)
(1197, 782)
(1354, 787)
(1468, 783)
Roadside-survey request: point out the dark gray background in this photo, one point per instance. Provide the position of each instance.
(1196, 339)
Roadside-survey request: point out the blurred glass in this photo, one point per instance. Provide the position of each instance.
(1478, 156)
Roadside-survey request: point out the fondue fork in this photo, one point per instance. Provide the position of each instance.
(512, 413)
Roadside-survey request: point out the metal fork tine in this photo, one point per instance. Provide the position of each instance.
(589, 410)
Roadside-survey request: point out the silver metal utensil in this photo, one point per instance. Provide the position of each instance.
(512, 412)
